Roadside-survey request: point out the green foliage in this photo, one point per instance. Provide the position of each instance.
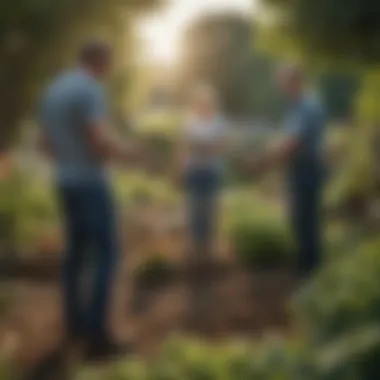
(338, 92)
(266, 98)
(344, 296)
(218, 52)
(341, 308)
(138, 187)
(259, 234)
(157, 135)
(261, 243)
(160, 123)
(339, 312)
(26, 205)
(194, 360)
(334, 29)
(154, 268)
(362, 150)
(39, 37)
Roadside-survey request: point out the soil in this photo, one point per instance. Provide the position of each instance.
(241, 304)
(146, 311)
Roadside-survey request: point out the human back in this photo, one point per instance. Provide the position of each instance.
(68, 102)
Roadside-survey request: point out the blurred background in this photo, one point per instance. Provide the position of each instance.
(331, 329)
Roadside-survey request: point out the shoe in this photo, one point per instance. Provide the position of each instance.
(52, 366)
(105, 349)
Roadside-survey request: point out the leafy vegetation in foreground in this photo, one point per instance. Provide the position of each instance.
(262, 243)
(339, 313)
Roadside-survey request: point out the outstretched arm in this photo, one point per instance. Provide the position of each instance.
(278, 155)
(108, 147)
(105, 144)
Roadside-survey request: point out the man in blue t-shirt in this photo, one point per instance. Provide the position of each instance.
(73, 116)
(301, 152)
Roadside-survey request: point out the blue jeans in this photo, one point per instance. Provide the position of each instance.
(90, 228)
(305, 209)
(202, 186)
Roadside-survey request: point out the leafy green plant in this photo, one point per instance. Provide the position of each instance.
(26, 206)
(196, 360)
(262, 243)
(341, 309)
(138, 187)
(153, 269)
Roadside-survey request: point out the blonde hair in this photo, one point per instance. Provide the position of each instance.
(202, 93)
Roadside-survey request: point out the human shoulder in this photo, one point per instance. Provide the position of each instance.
(312, 104)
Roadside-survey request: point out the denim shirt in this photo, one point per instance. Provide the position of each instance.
(73, 102)
(305, 121)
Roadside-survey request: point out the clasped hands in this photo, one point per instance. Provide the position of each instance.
(255, 166)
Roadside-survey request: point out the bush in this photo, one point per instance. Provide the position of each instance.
(194, 360)
(137, 187)
(153, 270)
(262, 244)
(26, 207)
(160, 123)
(341, 309)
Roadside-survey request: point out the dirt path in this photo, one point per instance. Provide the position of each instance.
(242, 305)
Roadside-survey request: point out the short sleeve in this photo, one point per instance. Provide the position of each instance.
(298, 123)
(94, 105)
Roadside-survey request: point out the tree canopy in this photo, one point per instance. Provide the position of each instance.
(343, 29)
(217, 50)
(38, 37)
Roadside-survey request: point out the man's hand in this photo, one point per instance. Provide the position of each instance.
(254, 166)
(130, 154)
(110, 147)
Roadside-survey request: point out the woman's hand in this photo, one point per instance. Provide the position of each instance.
(254, 166)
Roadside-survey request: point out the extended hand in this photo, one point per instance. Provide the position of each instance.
(254, 165)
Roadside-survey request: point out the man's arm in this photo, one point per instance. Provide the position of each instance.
(282, 152)
(108, 146)
(103, 142)
(279, 154)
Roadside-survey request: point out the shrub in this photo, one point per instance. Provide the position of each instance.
(137, 187)
(262, 243)
(194, 360)
(26, 207)
(341, 309)
(153, 270)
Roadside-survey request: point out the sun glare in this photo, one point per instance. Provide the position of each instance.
(160, 33)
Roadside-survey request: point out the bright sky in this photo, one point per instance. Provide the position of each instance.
(160, 32)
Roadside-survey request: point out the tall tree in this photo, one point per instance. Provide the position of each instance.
(218, 50)
(344, 29)
(38, 37)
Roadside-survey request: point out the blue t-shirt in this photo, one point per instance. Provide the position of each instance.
(305, 121)
(73, 102)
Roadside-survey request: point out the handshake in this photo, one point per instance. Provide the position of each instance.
(253, 166)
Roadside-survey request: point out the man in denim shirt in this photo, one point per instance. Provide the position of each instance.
(301, 152)
(74, 121)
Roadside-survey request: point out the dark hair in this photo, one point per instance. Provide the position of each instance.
(94, 52)
(291, 71)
